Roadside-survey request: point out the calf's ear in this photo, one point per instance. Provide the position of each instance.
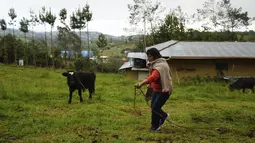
(65, 73)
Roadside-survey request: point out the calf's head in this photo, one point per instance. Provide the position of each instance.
(70, 77)
(231, 87)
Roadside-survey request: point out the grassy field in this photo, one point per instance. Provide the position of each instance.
(34, 109)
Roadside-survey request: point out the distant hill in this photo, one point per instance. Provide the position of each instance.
(93, 35)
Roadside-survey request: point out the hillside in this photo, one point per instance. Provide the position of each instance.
(93, 35)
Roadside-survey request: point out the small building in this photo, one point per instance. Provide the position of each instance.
(135, 65)
(190, 59)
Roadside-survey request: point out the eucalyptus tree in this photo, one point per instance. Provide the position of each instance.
(63, 33)
(24, 23)
(12, 14)
(233, 18)
(5, 53)
(33, 22)
(88, 16)
(50, 19)
(208, 15)
(78, 21)
(101, 44)
(43, 18)
(143, 11)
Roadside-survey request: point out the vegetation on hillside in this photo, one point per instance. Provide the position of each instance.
(221, 22)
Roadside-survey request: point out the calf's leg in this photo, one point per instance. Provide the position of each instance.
(90, 93)
(70, 95)
(79, 92)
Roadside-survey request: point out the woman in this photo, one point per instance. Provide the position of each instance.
(160, 80)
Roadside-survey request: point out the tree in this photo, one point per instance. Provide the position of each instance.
(12, 15)
(141, 12)
(12, 22)
(50, 19)
(42, 17)
(88, 16)
(233, 18)
(172, 28)
(101, 44)
(64, 33)
(63, 16)
(5, 54)
(209, 15)
(24, 28)
(33, 22)
(78, 21)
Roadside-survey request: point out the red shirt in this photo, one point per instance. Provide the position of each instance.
(154, 80)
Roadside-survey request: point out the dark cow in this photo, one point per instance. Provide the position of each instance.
(243, 83)
(80, 81)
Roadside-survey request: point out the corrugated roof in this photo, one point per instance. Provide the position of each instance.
(138, 55)
(163, 46)
(126, 65)
(205, 50)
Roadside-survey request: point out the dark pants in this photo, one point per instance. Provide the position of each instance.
(157, 102)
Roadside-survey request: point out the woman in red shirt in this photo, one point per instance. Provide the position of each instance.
(160, 80)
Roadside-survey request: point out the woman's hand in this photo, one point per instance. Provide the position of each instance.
(138, 85)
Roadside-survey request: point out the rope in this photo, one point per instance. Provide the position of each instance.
(169, 121)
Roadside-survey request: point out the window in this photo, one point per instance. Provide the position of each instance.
(139, 63)
(221, 66)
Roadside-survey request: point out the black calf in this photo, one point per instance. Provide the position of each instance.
(243, 83)
(80, 81)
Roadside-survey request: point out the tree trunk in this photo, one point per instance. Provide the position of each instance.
(14, 47)
(34, 51)
(102, 70)
(46, 47)
(25, 48)
(80, 45)
(5, 54)
(144, 35)
(153, 34)
(65, 58)
(88, 39)
(52, 49)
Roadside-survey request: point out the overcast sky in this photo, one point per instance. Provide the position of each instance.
(109, 16)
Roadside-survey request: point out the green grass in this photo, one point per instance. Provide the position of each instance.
(33, 108)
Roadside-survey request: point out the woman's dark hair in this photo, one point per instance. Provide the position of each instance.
(154, 53)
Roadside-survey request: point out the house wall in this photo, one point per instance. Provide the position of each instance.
(142, 75)
(235, 67)
(131, 74)
(135, 74)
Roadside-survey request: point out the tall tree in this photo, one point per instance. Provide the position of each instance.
(78, 21)
(233, 18)
(101, 44)
(88, 16)
(42, 17)
(143, 11)
(24, 28)
(12, 22)
(33, 22)
(64, 32)
(172, 28)
(50, 19)
(209, 15)
(12, 14)
(5, 53)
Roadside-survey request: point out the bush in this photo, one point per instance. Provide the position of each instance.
(84, 64)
